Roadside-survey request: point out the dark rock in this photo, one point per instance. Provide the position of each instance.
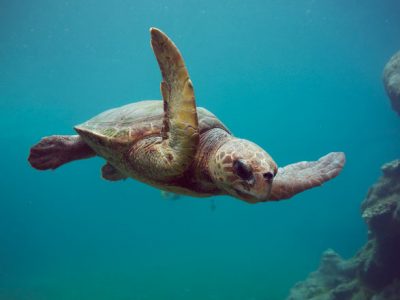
(391, 292)
(391, 81)
(374, 272)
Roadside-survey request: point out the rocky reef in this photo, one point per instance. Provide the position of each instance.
(391, 81)
(374, 272)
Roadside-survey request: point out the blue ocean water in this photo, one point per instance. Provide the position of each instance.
(300, 78)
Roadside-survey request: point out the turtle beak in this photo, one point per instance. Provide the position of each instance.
(260, 190)
(262, 187)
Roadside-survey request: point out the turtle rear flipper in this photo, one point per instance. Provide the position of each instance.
(110, 173)
(56, 150)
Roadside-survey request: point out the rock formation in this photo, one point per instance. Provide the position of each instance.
(391, 81)
(374, 272)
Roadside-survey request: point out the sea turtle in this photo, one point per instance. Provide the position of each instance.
(180, 148)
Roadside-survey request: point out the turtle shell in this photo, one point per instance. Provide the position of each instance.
(121, 127)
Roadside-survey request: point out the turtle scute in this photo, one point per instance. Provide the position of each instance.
(129, 123)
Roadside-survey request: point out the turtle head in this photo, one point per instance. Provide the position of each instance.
(243, 170)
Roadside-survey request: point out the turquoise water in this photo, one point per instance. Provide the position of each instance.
(300, 78)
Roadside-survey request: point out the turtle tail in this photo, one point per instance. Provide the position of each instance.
(56, 150)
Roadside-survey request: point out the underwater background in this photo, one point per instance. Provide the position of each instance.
(299, 78)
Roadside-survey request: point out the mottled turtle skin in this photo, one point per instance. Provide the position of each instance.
(178, 147)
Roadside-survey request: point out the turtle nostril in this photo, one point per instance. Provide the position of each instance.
(268, 176)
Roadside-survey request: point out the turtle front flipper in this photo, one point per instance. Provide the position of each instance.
(301, 176)
(180, 124)
(173, 153)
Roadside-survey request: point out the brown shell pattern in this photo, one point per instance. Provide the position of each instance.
(130, 123)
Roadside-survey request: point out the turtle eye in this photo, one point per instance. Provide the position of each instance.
(242, 170)
(268, 176)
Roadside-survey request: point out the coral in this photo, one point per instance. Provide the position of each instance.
(391, 80)
(374, 272)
